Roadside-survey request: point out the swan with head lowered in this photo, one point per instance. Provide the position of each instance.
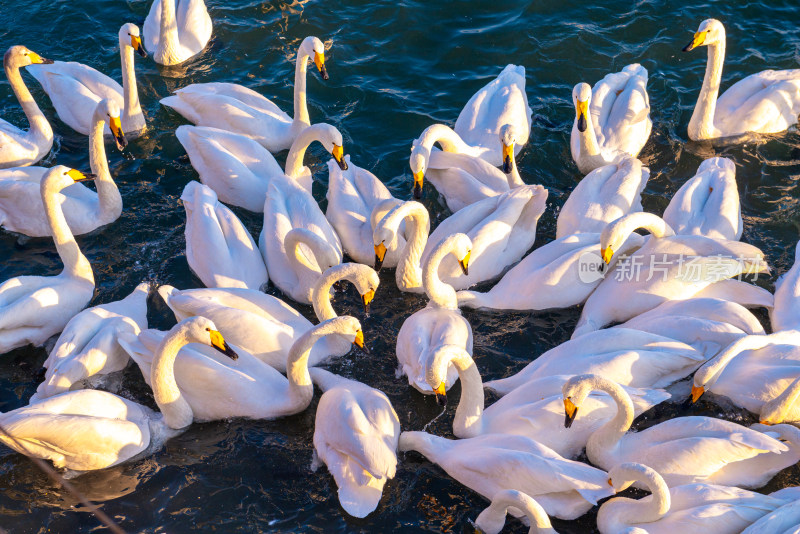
(176, 30)
(18, 147)
(492, 519)
(266, 326)
(21, 208)
(88, 429)
(236, 108)
(33, 308)
(240, 170)
(612, 118)
(762, 103)
(684, 450)
(75, 89)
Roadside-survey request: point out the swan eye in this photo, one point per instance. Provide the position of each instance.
(208, 329)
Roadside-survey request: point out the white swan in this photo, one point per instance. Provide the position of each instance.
(176, 30)
(493, 462)
(611, 119)
(684, 450)
(33, 308)
(89, 429)
(88, 345)
(632, 358)
(603, 196)
(686, 508)
(766, 102)
(559, 274)
(752, 371)
(18, 147)
(356, 431)
(668, 267)
(501, 102)
(492, 519)
(534, 410)
(708, 204)
(784, 407)
(236, 108)
(240, 170)
(785, 315)
(502, 229)
(782, 520)
(266, 326)
(439, 323)
(357, 201)
(21, 208)
(457, 171)
(75, 89)
(219, 249)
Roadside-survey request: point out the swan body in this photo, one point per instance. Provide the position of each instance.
(628, 357)
(236, 108)
(762, 103)
(88, 345)
(176, 30)
(21, 206)
(782, 520)
(603, 196)
(458, 171)
(492, 519)
(612, 118)
(785, 315)
(439, 323)
(356, 431)
(534, 410)
(34, 308)
(76, 89)
(493, 462)
(219, 249)
(19, 148)
(708, 204)
(687, 508)
(684, 450)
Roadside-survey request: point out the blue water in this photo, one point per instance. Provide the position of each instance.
(395, 68)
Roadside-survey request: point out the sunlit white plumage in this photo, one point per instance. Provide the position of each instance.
(492, 519)
(785, 315)
(176, 30)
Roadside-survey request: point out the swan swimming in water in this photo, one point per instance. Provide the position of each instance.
(176, 30)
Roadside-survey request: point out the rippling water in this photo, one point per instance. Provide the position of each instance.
(395, 68)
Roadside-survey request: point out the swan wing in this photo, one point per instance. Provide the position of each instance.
(786, 313)
(764, 102)
(620, 110)
(783, 520)
(194, 25)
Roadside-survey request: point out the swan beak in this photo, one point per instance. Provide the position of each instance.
(380, 253)
(419, 177)
(610, 482)
(765, 423)
(508, 158)
(36, 59)
(464, 263)
(338, 155)
(79, 176)
(218, 342)
(571, 411)
(441, 395)
(581, 110)
(319, 61)
(698, 39)
(607, 253)
(359, 340)
(366, 298)
(116, 129)
(697, 392)
(136, 44)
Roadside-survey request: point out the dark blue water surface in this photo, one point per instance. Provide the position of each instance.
(395, 68)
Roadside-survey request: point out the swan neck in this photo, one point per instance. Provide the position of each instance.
(701, 125)
(409, 273)
(514, 179)
(447, 139)
(168, 33)
(468, 419)
(300, 118)
(441, 294)
(321, 298)
(607, 437)
(176, 410)
(39, 126)
(297, 152)
(657, 506)
(301, 389)
(306, 272)
(786, 399)
(75, 263)
(108, 196)
(588, 139)
(716, 366)
(540, 521)
(130, 93)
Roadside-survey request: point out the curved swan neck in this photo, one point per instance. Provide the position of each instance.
(627, 224)
(701, 125)
(446, 137)
(468, 419)
(495, 514)
(130, 93)
(176, 410)
(294, 238)
(168, 41)
(442, 295)
(39, 126)
(321, 296)
(301, 389)
(297, 152)
(645, 510)
(708, 374)
(409, 274)
(300, 119)
(607, 436)
(108, 196)
(783, 403)
(75, 263)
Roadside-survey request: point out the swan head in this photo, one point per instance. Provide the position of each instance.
(437, 367)
(364, 278)
(624, 475)
(61, 176)
(313, 47)
(581, 96)
(19, 56)
(346, 326)
(129, 35)
(419, 164)
(461, 248)
(705, 377)
(710, 32)
(330, 138)
(108, 110)
(198, 329)
(575, 390)
(508, 136)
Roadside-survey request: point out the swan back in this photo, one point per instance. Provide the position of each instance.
(785, 315)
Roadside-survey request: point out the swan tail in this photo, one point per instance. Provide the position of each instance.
(472, 299)
(502, 386)
(176, 103)
(595, 495)
(747, 295)
(359, 492)
(166, 292)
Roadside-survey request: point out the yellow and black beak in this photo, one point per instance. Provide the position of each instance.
(697, 392)
(607, 253)
(508, 158)
(359, 340)
(380, 253)
(570, 411)
(79, 176)
(419, 177)
(319, 61)
(366, 298)
(441, 395)
(115, 125)
(218, 342)
(338, 155)
(582, 113)
(36, 59)
(464, 263)
(136, 44)
(698, 39)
